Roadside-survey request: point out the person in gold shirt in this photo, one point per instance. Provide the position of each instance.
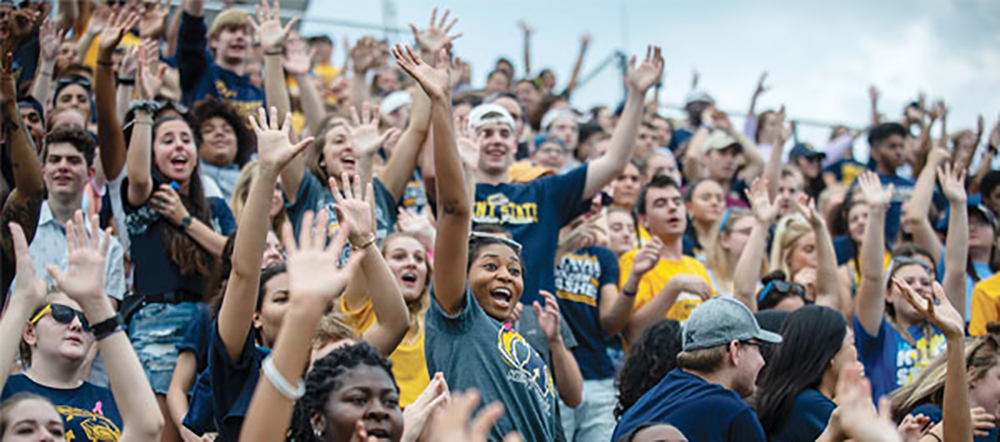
(666, 284)
(985, 305)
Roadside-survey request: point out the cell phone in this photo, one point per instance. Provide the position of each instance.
(175, 186)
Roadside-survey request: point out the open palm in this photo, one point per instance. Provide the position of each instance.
(84, 275)
(433, 80)
(952, 183)
(273, 145)
(760, 202)
(312, 265)
(268, 25)
(355, 210)
(364, 130)
(119, 23)
(435, 37)
(644, 76)
(871, 188)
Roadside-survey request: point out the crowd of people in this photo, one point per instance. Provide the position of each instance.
(211, 232)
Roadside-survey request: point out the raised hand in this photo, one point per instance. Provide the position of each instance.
(548, 317)
(364, 55)
(874, 194)
(353, 209)
(268, 25)
(855, 412)
(154, 19)
(150, 71)
(364, 130)
(952, 183)
(417, 414)
(28, 288)
(433, 80)
(525, 29)
(912, 428)
(49, 40)
(83, 279)
(806, 206)
(297, 58)
(468, 149)
(763, 209)
(647, 257)
(98, 19)
(435, 37)
(420, 224)
(761, 87)
(873, 93)
(274, 148)
(452, 424)
(129, 63)
(8, 87)
(641, 78)
(119, 23)
(313, 275)
(942, 314)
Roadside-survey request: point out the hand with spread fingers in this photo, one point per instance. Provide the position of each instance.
(83, 279)
(150, 72)
(435, 37)
(641, 78)
(268, 26)
(647, 257)
(120, 22)
(154, 19)
(548, 316)
(49, 40)
(418, 414)
(313, 275)
(877, 196)
(355, 208)
(435, 81)
(451, 423)
(364, 130)
(274, 147)
(764, 211)
(806, 207)
(935, 307)
(952, 183)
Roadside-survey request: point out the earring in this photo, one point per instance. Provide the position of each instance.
(318, 432)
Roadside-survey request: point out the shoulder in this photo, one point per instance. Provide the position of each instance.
(990, 286)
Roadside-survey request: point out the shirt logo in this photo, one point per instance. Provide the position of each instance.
(498, 209)
(527, 367)
(95, 427)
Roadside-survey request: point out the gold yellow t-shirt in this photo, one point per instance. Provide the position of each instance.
(985, 305)
(659, 276)
(128, 40)
(409, 364)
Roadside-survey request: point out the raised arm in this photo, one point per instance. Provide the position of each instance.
(393, 320)
(772, 170)
(139, 155)
(454, 207)
(957, 251)
(297, 61)
(405, 156)
(25, 201)
(747, 272)
(578, 65)
(49, 40)
(526, 32)
(192, 59)
(83, 281)
(870, 302)
(986, 162)
(916, 215)
(28, 294)
(757, 92)
(755, 162)
(313, 280)
(601, 171)
(272, 39)
(829, 290)
(98, 18)
(274, 150)
(873, 98)
(364, 56)
(109, 130)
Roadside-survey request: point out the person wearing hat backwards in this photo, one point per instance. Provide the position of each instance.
(217, 66)
(717, 368)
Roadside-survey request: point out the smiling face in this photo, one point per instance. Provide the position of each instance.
(231, 44)
(174, 151)
(218, 145)
(33, 123)
(366, 394)
(74, 96)
(665, 215)
(625, 188)
(497, 146)
(707, 203)
(621, 229)
(496, 280)
(32, 420)
(338, 152)
(407, 258)
(65, 171)
(917, 277)
(985, 389)
(54, 342)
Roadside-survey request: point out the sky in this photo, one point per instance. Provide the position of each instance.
(821, 57)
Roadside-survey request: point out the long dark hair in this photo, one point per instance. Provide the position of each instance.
(812, 337)
(650, 360)
(324, 378)
(184, 252)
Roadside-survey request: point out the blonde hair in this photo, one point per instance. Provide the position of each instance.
(332, 328)
(418, 309)
(790, 229)
(717, 259)
(242, 191)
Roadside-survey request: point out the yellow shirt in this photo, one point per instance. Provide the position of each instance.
(128, 40)
(985, 305)
(658, 277)
(409, 364)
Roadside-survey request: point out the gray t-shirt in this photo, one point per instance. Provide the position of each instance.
(474, 350)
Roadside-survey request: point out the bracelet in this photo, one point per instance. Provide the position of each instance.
(107, 63)
(629, 294)
(277, 52)
(936, 437)
(126, 81)
(108, 327)
(278, 381)
(149, 122)
(364, 245)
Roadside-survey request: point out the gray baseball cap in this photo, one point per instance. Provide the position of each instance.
(720, 321)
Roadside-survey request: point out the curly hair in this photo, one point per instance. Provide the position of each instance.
(324, 378)
(246, 140)
(650, 360)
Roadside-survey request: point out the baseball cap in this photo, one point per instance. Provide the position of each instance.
(489, 114)
(719, 140)
(974, 206)
(805, 150)
(394, 101)
(720, 321)
(698, 95)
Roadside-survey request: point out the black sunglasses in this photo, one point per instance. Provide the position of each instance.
(63, 315)
(783, 287)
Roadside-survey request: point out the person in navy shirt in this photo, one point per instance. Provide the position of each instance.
(718, 367)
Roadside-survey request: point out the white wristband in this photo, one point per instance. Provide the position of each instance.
(279, 382)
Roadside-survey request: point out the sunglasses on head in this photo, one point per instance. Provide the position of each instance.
(62, 314)
(784, 287)
(66, 81)
(482, 235)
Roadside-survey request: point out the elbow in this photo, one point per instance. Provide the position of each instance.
(150, 428)
(573, 399)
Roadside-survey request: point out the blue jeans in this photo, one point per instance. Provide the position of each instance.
(156, 331)
(594, 419)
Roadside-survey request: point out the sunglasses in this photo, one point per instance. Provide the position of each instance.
(66, 81)
(783, 287)
(62, 314)
(473, 236)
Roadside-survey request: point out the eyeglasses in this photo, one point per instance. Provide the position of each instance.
(63, 315)
(784, 287)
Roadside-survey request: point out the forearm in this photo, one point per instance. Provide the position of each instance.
(615, 317)
(956, 256)
(747, 271)
(312, 104)
(43, 80)
(387, 300)
(129, 384)
(923, 147)
(871, 291)
(270, 412)
(140, 182)
(404, 158)
(957, 420)
(651, 313)
(69, 11)
(985, 166)
(750, 149)
(772, 170)
(207, 238)
(923, 191)
(83, 44)
(109, 130)
(604, 169)
(527, 56)
(275, 89)
(15, 316)
(180, 384)
(123, 98)
(576, 71)
(23, 160)
(359, 88)
(569, 381)
(173, 32)
(451, 247)
(829, 291)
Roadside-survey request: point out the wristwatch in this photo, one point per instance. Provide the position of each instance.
(147, 106)
(186, 222)
(108, 327)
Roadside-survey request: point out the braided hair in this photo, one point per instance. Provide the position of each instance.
(324, 378)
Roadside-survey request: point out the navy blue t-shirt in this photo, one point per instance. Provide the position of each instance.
(198, 337)
(579, 278)
(704, 412)
(233, 383)
(935, 415)
(89, 411)
(889, 359)
(533, 212)
(807, 418)
(201, 77)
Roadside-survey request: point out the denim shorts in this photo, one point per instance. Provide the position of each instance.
(156, 331)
